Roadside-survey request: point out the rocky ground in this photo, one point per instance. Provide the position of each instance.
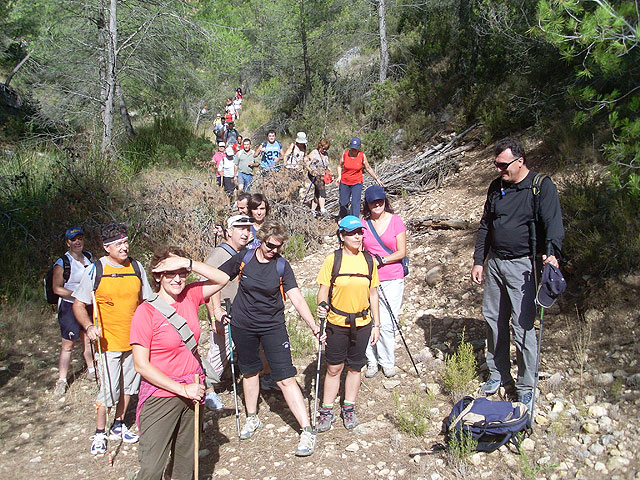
(587, 424)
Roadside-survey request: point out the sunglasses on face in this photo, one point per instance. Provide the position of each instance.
(357, 231)
(171, 275)
(505, 165)
(272, 246)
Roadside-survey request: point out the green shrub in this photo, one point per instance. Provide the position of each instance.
(377, 145)
(301, 339)
(459, 448)
(459, 370)
(295, 248)
(412, 415)
(602, 228)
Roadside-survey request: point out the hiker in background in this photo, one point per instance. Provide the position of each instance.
(257, 318)
(352, 319)
(242, 203)
(237, 101)
(504, 243)
(121, 288)
(351, 179)
(258, 210)
(296, 155)
(228, 170)
(246, 163)
(218, 127)
(271, 152)
(390, 230)
(216, 160)
(317, 165)
(237, 237)
(230, 135)
(65, 281)
(230, 109)
(168, 391)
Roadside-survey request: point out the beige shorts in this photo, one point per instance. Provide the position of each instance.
(118, 375)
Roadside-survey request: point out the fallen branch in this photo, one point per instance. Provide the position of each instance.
(436, 223)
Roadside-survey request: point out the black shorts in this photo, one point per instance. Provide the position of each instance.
(340, 349)
(318, 185)
(69, 326)
(275, 343)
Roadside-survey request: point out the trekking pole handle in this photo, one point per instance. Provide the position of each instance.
(322, 320)
(549, 248)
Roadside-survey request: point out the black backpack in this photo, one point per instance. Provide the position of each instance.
(49, 295)
(337, 262)
(100, 272)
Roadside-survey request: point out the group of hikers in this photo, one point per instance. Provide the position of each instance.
(146, 333)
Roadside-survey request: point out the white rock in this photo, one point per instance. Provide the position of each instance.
(590, 399)
(283, 429)
(596, 448)
(603, 378)
(590, 427)
(528, 445)
(476, 459)
(390, 384)
(269, 426)
(435, 476)
(543, 460)
(597, 411)
(352, 447)
(558, 406)
(222, 472)
(326, 472)
(37, 459)
(604, 421)
(617, 463)
(24, 436)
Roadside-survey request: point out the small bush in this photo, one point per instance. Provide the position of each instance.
(377, 145)
(459, 448)
(295, 248)
(301, 340)
(459, 370)
(413, 415)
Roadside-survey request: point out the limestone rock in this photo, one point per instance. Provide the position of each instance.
(434, 276)
(597, 411)
(603, 379)
(352, 447)
(590, 427)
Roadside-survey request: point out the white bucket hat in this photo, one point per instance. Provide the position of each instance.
(301, 137)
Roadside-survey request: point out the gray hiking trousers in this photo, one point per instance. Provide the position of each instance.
(509, 297)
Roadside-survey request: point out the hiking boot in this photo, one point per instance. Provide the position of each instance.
(121, 432)
(349, 417)
(307, 444)
(250, 427)
(325, 419)
(99, 445)
(389, 371)
(268, 383)
(372, 371)
(490, 387)
(527, 399)
(213, 402)
(61, 387)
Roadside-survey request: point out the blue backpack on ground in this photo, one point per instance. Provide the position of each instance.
(491, 423)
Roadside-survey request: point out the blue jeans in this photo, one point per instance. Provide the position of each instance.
(353, 193)
(245, 180)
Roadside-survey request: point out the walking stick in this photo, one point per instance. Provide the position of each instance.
(308, 189)
(395, 322)
(196, 431)
(315, 403)
(227, 306)
(106, 380)
(95, 370)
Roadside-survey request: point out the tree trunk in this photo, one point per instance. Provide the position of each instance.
(109, 87)
(305, 54)
(384, 49)
(15, 70)
(124, 112)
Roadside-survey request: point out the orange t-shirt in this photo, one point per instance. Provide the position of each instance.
(352, 168)
(118, 302)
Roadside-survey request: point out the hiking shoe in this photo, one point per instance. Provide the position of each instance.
(490, 387)
(121, 432)
(389, 371)
(61, 387)
(307, 444)
(372, 371)
(349, 417)
(213, 402)
(527, 399)
(325, 419)
(268, 383)
(250, 427)
(99, 445)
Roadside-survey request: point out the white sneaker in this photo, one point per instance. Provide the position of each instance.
(61, 387)
(307, 444)
(99, 445)
(121, 432)
(372, 371)
(389, 371)
(251, 426)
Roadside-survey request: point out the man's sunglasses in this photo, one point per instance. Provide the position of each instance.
(505, 165)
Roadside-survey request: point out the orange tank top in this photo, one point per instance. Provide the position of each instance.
(117, 298)
(352, 168)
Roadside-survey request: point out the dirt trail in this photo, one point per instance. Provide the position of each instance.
(42, 437)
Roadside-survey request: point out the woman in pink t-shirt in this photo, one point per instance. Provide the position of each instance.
(168, 391)
(378, 214)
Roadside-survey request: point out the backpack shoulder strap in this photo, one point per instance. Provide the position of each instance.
(136, 268)
(280, 262)
(337, 262)
(228, 248)
(88, 255)
(369, 259)
(536, 189)
(176, 321)
(66, 267)
(246, 259)
(99, 270)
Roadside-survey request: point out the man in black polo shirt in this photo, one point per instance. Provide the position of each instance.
(504, 242)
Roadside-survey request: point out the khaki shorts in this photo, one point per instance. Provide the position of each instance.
(120, 376)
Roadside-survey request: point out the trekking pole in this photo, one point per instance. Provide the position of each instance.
(196, 431)
(395, 322)
(309, 189)
(315, 403)
(227, 306)
(95, 369)
(537, 377)
(106, 381)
